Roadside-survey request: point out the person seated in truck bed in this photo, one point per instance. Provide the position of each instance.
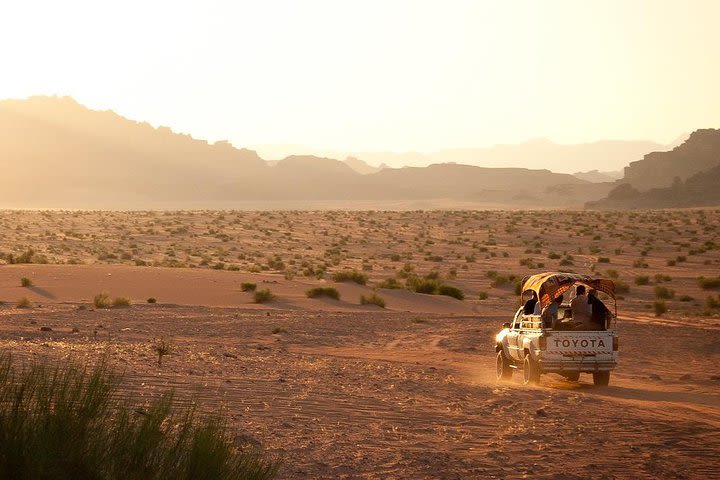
(532, 305)
(550, 313)
(599, 312)
(581, 310)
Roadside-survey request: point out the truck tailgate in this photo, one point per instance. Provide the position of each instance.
(580, 343)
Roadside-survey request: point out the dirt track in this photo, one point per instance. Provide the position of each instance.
(402, 395)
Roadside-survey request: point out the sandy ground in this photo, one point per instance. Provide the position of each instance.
(404, 395)
(345, 390)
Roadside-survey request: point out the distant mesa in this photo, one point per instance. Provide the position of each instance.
(687, 176)
(701, 151)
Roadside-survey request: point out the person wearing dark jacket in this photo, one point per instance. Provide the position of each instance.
(600, 312)
(529, 307)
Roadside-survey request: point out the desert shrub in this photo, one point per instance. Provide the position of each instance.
(711, 302)
(423, 285)
(25, 282)
(323, 292)
(612, 273)
(102, 300)
(664, 292)
(660, 307)
(621, 287)
(263, 296)
(390, 283)
(152, 300)
(686, 298)
(671, 263)
(162, 347)
(278, 330)
(709, 283)
(603, 260)
(352, 275)
(24, 302)
(451, 291)
(71, 422)
(660, 278)
(248, 287)
(373, 299)
(527, 262)
(642, 280)
(483, 295)
(497, 280)
(121, 302)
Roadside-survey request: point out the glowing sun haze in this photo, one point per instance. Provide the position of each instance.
(376, 75)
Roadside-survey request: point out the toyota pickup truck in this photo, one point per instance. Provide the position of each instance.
(537, 344)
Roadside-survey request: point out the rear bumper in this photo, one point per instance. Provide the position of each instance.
(559, 366)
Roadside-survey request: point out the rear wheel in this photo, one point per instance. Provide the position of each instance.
(503, 372)
(571, 376)
(601, 379)
(531, 372)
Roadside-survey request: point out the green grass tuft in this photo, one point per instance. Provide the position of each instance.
(70, 422)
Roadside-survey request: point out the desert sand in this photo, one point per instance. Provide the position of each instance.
(344, 390)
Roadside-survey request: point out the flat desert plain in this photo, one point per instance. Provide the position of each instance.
(340, 388)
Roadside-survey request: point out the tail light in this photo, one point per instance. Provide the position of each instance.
(543, 342)
(615, 344)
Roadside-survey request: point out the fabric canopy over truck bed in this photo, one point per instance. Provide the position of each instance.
(550, 285)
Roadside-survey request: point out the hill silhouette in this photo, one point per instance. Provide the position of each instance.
(60, 154)
(700, 190)
(701, 151)
(687, 176)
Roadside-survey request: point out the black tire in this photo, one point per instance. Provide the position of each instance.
(531, 372)
(571, 376)
(601, 379)
(503, 370)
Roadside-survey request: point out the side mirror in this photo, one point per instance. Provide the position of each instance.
(506, 325)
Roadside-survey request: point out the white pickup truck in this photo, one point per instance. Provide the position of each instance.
(528, 343)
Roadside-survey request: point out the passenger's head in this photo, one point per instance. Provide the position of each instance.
(559, 299)
(580, 290)
(592, 292)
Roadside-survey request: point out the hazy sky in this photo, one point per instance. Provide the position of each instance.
(376, 75)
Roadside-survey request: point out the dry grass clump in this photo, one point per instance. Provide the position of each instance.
(660, 307)
(121, 302)
(25, 282)
(352, 275)
(24, 302)
(263, 296)
(709, 283)
(373, 299)
(69, 422)
(102, 300)
(323, 292)
(248, 287)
